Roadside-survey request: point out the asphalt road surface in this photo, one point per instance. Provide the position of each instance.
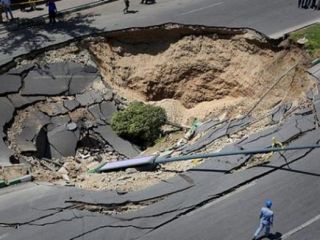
(272, 17)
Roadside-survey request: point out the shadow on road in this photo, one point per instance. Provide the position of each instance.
(40, 35)
(272, 236)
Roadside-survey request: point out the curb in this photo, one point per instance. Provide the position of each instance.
(26, 178)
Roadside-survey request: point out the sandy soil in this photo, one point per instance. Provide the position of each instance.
(200, 76)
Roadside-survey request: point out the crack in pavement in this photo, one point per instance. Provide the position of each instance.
(228, 191)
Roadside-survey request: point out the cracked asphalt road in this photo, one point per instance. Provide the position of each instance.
(204, 204)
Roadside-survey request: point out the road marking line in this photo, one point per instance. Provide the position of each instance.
(200, 9)
(299, 228)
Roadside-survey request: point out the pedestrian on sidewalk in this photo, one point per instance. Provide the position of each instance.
(6, 4)
(313, 4)
(127, 5)
(52, 8)
(266, 220)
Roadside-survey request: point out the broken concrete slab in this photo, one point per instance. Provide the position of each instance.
(6, 110)
(64, 148)
(122, 146)
(21, 69)
(316, 105)
(5, 153)
(53, 108)
(96, 112)
(206, 126)
(89, 97)
(81, 82)
(279, 112)
(19, 101)
(47, 81)
(25, 146)
(71, 104)
(60, 120)
(212, 135)
(9, 83)
(315, 71)
(107, 110)
(238, 124)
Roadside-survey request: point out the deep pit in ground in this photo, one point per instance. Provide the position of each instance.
(192, 72)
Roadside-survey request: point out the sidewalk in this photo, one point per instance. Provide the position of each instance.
(62, 6)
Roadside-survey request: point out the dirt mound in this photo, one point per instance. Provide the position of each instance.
(209, 69)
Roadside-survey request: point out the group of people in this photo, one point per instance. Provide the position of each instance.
(314, 4)
(52, 9)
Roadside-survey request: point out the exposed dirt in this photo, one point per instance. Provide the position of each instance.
(196, 76)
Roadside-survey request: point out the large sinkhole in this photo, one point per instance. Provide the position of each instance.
(58, 104)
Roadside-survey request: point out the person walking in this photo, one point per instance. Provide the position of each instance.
(313, 4)
(127, 5)
(6, 4)
(52, 9)
(266, 220)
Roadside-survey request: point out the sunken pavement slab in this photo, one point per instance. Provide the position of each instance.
(54, 95)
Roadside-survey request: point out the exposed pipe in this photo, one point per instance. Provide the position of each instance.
(221, 154)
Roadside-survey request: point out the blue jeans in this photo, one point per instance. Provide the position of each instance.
(260, 229)
(7, 10)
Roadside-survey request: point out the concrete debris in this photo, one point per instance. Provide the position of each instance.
(71, 104)
(9, 83)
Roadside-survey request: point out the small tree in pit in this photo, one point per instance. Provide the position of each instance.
(140, 123)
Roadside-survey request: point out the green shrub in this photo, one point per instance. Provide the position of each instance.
(140, 123)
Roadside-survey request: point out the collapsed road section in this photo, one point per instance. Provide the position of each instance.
(59, 102)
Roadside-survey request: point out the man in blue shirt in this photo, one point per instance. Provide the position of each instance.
(266, 220)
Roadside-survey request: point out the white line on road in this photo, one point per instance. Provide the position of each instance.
(200, 9)
(299, 228)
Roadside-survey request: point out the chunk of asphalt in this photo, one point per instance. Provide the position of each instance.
(317, 109)
(71, 104)
(5, 153)
(63, 141)
(21, 69)
(32, 126)
(108, 94)
(315, 71)
(238, 124)
(122, 146)
(19, 101)
(9, 83)
(47, 81)
(60, 120)
(89, 97)
(279, 112)
(107, 109)
(25, 146)
(53, 109)
(6, 110)
(81, 81)
(96, 112)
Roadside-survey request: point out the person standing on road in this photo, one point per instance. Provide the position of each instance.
(266, 220)
(52, 8)
(127, 4)
(6, 4)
